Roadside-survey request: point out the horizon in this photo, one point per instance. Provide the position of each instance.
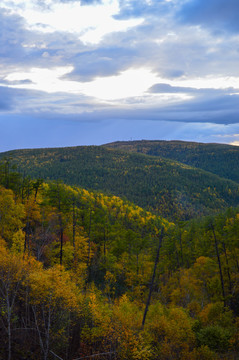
(118, 141)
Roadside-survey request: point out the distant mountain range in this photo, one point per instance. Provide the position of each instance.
(177, 180)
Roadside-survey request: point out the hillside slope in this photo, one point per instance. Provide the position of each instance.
(220, 159)
(77, 268)
(168, 188)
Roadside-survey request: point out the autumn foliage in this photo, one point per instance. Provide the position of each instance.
(76, 270)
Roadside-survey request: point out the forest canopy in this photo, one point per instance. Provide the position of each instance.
(84, 274)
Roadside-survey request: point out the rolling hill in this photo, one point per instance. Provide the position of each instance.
(220, 159)
(171, 189)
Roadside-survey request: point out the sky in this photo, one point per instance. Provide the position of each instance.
(89, 72)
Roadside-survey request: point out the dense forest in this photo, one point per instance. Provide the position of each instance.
(220, 159)
(165, 187)
(85, 274)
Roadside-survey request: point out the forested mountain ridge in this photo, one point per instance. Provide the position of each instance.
(166, 187)
(220, 159)
(79, 269)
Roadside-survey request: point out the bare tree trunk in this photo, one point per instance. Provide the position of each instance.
(10, 305)
(60, 223)
(73, 224)
(104, 242)
(88, 255)
(153, 276)
(219, 265)
(9, 332)
(44, 335)
(181, 246)
(7, 174)
(89, 243)
(61, 241)
(27, 236)
(228, 269)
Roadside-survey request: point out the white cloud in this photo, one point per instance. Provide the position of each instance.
(128, 84)
(47, 80)
(131, 83)
(208, 82)
(91, 22)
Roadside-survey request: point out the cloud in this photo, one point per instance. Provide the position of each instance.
(162, 102)
(153, 43)
(166, 88)
(82, 2)
(221, 15)
(5, 99)
(14, 99)
(207, 93)
(188, 50)
(90, 2)
(22, 48)
(39, 103)
(101, 62)
(18, 46)
(146, 8)
(216, 110)
(10, 40)
(16, 82)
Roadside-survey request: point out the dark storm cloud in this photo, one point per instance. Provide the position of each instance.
(222, 15)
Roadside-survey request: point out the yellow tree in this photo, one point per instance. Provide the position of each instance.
(13, 273)
(170, 332)
(52, 297)
(11, 215)
(32, 220)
